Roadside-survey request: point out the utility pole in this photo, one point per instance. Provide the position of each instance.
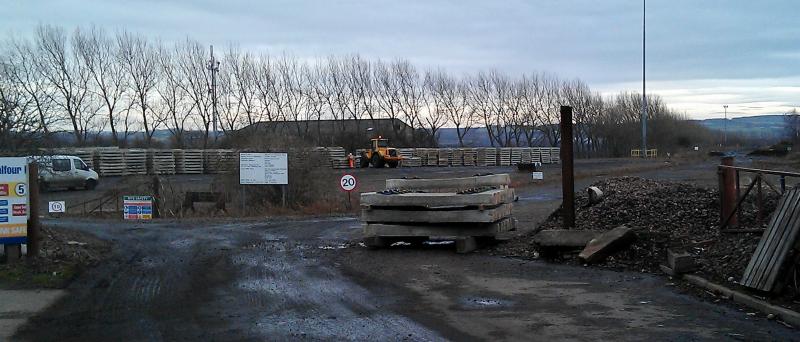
(213, 66)
(644, 93)
(725, 128)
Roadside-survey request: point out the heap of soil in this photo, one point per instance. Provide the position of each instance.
(664, 215)
(63, 255)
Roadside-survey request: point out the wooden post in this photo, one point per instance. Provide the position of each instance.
(33, 208)
(567, 170)
(759, 201)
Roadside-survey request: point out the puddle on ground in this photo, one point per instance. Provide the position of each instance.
(539, 197)
(484, 303)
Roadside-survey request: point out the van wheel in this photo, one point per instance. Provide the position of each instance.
(91, 184)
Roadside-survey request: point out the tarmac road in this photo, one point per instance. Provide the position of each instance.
(289, 280)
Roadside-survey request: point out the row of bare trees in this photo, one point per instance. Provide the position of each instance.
(90, 81)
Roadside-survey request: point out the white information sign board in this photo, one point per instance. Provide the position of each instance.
(263, 168)
(537, 175)
(13, 200)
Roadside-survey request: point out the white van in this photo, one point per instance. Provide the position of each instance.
(65, 172)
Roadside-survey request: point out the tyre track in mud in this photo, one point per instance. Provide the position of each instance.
(182, 281)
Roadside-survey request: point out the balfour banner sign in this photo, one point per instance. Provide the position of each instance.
(13, 201)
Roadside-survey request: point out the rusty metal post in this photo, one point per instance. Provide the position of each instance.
(33, 207)
(567, 169)
(738, 195)
(759, 200)
(783, 184)
(728, 192)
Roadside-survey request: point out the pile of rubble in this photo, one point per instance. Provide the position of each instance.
(663, 215)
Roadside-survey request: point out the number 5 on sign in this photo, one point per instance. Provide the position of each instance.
(348, 183)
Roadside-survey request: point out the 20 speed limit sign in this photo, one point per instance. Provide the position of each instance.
(348, 183)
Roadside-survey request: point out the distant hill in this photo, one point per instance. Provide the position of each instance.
(762, 127)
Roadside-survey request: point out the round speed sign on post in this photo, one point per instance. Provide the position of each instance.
(348, 183)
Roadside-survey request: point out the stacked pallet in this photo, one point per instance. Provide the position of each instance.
(188, 161)
(161, 162)
(464, 209)
(444, 156)
(457, 157)
(470, 156)
(220, 161)
(135, 161)
(505, 156)
(111, 162)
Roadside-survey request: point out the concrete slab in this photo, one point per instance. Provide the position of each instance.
(18, 305)
(564, 238)
(605, 244)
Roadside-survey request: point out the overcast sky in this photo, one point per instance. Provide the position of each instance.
(700, 54)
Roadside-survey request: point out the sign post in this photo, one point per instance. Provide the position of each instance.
(13, 205)
(348, 183)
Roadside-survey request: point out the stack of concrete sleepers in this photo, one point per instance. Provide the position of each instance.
(409, 157)
(220, 161)
(111, 162)
(525, 157)
(470, 156)
(338, 157)
(460, 209)
(491, 156)
(555, 155)
(516, 155)
(161, 162)
(431, 157)
(536, 155)
(457, 157)
(505, 156)
(545, 154)
(188, 161)
(86, 155)
(135, 161)
(444, 156)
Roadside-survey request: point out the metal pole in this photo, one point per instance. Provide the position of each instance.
(644, 92)
(567, 171)
(213, 66)
(725, 128)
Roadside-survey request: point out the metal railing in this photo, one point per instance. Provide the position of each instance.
(731, 197)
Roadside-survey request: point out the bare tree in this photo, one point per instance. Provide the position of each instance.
(109, 82)
(140, 62)
(69, 78)
(18, 119)
(196, 78)
(23, 69)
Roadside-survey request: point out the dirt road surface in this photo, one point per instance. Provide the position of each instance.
(308, 279)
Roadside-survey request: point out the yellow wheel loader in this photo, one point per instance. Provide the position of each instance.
(380, 154)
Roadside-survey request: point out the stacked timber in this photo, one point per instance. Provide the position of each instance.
(111, 162)
(135, 161)
(188, 161)
(461, 209)
(410, 158)
(161, 162)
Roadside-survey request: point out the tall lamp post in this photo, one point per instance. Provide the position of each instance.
(644, 93)
(725, 128)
